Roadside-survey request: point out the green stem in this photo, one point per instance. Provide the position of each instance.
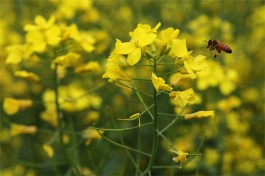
(61, 121)
(132, 88)
(58, 109)
(123, 145)
(155, 129)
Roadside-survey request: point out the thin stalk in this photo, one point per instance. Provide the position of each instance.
(61, 120)
(59, 112)
(145, 106)
(121, 129)
(58, 109)
(132, 88)
(123, 146)
(155, 129)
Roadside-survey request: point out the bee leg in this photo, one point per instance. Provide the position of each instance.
(213, 53)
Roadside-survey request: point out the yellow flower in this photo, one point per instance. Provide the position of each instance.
(16, 53)
(42, 34)
(92, 116)
(66, 139)
(50, 114)
(200, 115)
(228, 85)
(67, 60)
(74, 98)
(229, 103)
(211, 156)
(114, 72)
(180, 158)
(84, 39)
(179, 47)
(178, 79)
(17, 129)
(48, 149)
(87, 42)
(169, 34)
(91, 134)
(159, 83)
(194, 65)
(41, 24)
(12, 106)
(27, 75)
(142, 36)
(212, 76)
(90, 67)
(68, 8)
(182, 98)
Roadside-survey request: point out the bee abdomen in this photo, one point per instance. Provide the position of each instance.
(225, 48)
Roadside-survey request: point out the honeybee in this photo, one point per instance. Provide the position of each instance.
(217, 46)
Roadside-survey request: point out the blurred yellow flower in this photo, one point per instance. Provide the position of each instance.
(12, 106)
(68, 8)
(182, 98)
(74, 98)
(92, 116)
(229, 103)
(91, 134)
(50, 114)
(159, 83)
(228, 84)
(89, 67)
(66, 139)
(84, 39)
(48, 149)
(68, 60)
(27, 75)
(42, 34)
(16, 53)
(210, 77)
(87, 41)
(200, 115)
(40, 23)
(17, 129)
(211, 156)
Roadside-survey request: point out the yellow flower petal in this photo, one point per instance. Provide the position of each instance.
(169, 34)
(183, 98)
(48, 149)
(12, 106)
(200, 115)
(159, 83)
(17, 129)
(27, 75)
(91, 66)
(67, 60)
(134, 56)
(180, 158)
(124, 48)
(91, 134)
(179, 47)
